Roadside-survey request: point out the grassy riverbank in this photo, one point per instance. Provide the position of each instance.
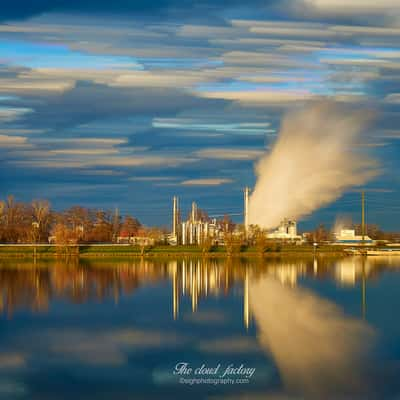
(96, 250)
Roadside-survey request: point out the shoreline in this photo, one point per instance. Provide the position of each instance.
(43, 251)
(112, 251)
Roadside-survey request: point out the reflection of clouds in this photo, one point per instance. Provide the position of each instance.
(12, 361)
(318, 350)
(10, 389)
(230, 345)
(107, 348)
(256, 396)
(206, 317)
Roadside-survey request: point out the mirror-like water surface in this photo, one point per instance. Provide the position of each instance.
(178, 329)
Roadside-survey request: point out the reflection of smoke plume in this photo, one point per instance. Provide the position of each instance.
(310, 165)
(318, 350)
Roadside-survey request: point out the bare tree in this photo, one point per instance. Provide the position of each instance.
(260, 240)
(66, 239)
(147, 238)
(2, 209)
(130, 226)
(321, 234)
(206, 244)
(41, 218)
(17, 221)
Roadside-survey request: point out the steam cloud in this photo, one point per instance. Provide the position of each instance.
(312, 163)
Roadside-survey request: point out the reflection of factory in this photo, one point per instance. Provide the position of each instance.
(349, 270)
(201, 279)
(287, 230)
(289, 273)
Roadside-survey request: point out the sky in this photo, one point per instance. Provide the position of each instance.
(127, 103)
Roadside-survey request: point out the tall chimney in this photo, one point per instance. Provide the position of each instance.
(175, 216)
(194, 212)
(246, 210)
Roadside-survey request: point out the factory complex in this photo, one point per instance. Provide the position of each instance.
(198, 228)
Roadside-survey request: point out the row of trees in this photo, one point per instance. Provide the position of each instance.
(36, 222)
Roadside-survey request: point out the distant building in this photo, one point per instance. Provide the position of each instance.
(125, 238)
(198, 227)
(195, 229)
(287, 230)
(349, 237)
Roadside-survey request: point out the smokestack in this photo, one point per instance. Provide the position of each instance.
(175, 216)
(194, 212)
(246, 210)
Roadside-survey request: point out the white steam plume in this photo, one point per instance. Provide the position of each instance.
(313, 161)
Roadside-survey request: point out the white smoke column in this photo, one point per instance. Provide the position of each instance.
(312, 163)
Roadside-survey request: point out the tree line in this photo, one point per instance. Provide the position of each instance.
(37, 222)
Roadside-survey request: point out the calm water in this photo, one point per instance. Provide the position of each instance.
(193, 329)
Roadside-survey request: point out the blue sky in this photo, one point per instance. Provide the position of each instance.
(126, 103)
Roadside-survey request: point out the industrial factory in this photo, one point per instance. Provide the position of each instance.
(199, 227)
(196, 228)
(287, 230)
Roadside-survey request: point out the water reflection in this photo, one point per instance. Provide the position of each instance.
(27, 286)
(317, 348)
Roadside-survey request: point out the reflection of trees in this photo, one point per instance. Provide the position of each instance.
(24, 286)
(27, 286)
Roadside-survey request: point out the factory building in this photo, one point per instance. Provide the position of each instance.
(196, 228)
(349, 237)
(287, 230)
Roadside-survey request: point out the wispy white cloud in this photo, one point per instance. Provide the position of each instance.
(7, 141)
(8, 114)
(355, 7)
(390, 134)
(114, 161)
(260, 97)
(152, 178)
(229, 153)
(393, 98)
(79, 152)
(79, 141)
(206, 182)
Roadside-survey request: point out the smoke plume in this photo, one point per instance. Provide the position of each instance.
(342, 222)
(315, 159)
